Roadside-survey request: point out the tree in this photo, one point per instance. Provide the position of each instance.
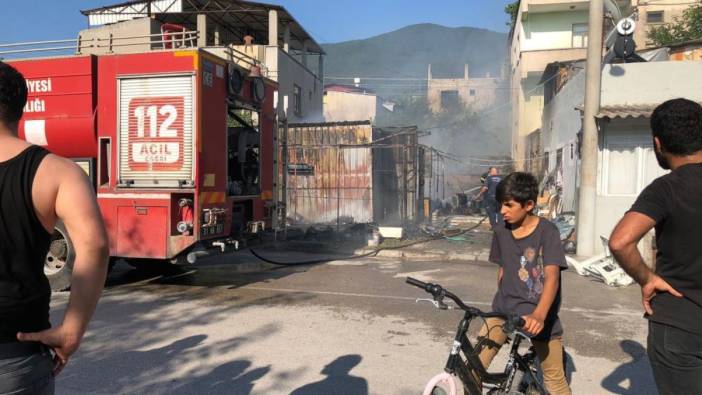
(684, 28)
(512, 9)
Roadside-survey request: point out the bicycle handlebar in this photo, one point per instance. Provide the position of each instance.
(512, 322)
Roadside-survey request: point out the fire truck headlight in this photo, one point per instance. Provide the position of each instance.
(184, 226)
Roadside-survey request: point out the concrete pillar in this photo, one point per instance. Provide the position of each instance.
(286, 38)
(201, 30)
(273, 28)
(466, 74)
(304, 53)
(588, 162)
(216, 36)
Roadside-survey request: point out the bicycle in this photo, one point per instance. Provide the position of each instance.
(520, 375)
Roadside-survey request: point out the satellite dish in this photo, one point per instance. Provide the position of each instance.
(235, 80)
(626, 26)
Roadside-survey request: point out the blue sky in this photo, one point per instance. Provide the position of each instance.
(325, 20)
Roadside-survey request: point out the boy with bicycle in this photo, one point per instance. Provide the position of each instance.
(528, 250)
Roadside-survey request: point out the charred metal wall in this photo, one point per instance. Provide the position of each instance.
(330, 173)
(349, 172)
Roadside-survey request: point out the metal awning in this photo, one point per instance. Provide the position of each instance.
(632, 111)
(236, 17)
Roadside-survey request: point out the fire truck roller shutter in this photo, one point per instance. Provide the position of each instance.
(156, 127)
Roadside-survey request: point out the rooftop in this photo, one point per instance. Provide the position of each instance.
(347, 89)
(236, 17)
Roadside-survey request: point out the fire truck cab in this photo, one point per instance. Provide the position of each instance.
(179, 144)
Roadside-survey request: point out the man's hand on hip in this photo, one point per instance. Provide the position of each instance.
(653, 286)
(64, 343)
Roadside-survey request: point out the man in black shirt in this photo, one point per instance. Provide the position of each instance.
(672, 296)
(37, 189)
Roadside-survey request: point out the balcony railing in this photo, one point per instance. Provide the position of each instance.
(186, 39)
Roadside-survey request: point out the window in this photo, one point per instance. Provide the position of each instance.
(297, 100)
(449, 99)
(654, 17)
(580, 35)
(472, 92)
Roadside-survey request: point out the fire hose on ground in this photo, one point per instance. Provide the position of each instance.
(368, 254)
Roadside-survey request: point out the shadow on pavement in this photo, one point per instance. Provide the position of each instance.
(137, 371)
(141, 343)
(338, 380)
(637, 373)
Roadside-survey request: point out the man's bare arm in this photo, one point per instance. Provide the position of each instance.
(623, 242)
(77, 207)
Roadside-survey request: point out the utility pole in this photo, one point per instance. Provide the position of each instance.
(588, 158)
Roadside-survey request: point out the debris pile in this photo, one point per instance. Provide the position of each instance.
(602, 267)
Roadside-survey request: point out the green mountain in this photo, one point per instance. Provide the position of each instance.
(404, 55)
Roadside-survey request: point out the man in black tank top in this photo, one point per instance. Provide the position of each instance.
(672, 295)
(36, 190)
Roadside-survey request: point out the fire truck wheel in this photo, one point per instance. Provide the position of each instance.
(58, 265)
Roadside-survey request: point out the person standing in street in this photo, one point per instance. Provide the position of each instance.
(37, 189)
(672, 295)
(490, 190)
(528, 251)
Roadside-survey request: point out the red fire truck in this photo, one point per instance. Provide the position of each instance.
(178, 143)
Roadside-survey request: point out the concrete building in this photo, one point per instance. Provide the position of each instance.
(262, 37)
(544, 31)
(652, 13)
(548, 31)
(626, 161)
(473, 93)
(349, 103)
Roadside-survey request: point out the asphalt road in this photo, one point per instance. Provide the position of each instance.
(348, 327)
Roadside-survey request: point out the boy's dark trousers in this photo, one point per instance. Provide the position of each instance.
(676, 359)
(25, 368)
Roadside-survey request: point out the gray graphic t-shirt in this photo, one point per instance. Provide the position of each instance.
(523, 261)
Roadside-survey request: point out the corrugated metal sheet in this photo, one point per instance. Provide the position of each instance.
(339, 179)
(128, 11)
(633, 111)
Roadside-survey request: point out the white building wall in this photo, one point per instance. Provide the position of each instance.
(553, 30)
(653, 82)
(288, 72)
(346, 106)
(626, 165)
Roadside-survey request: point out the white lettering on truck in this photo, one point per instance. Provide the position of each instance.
(39, 86)
(35, 105)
